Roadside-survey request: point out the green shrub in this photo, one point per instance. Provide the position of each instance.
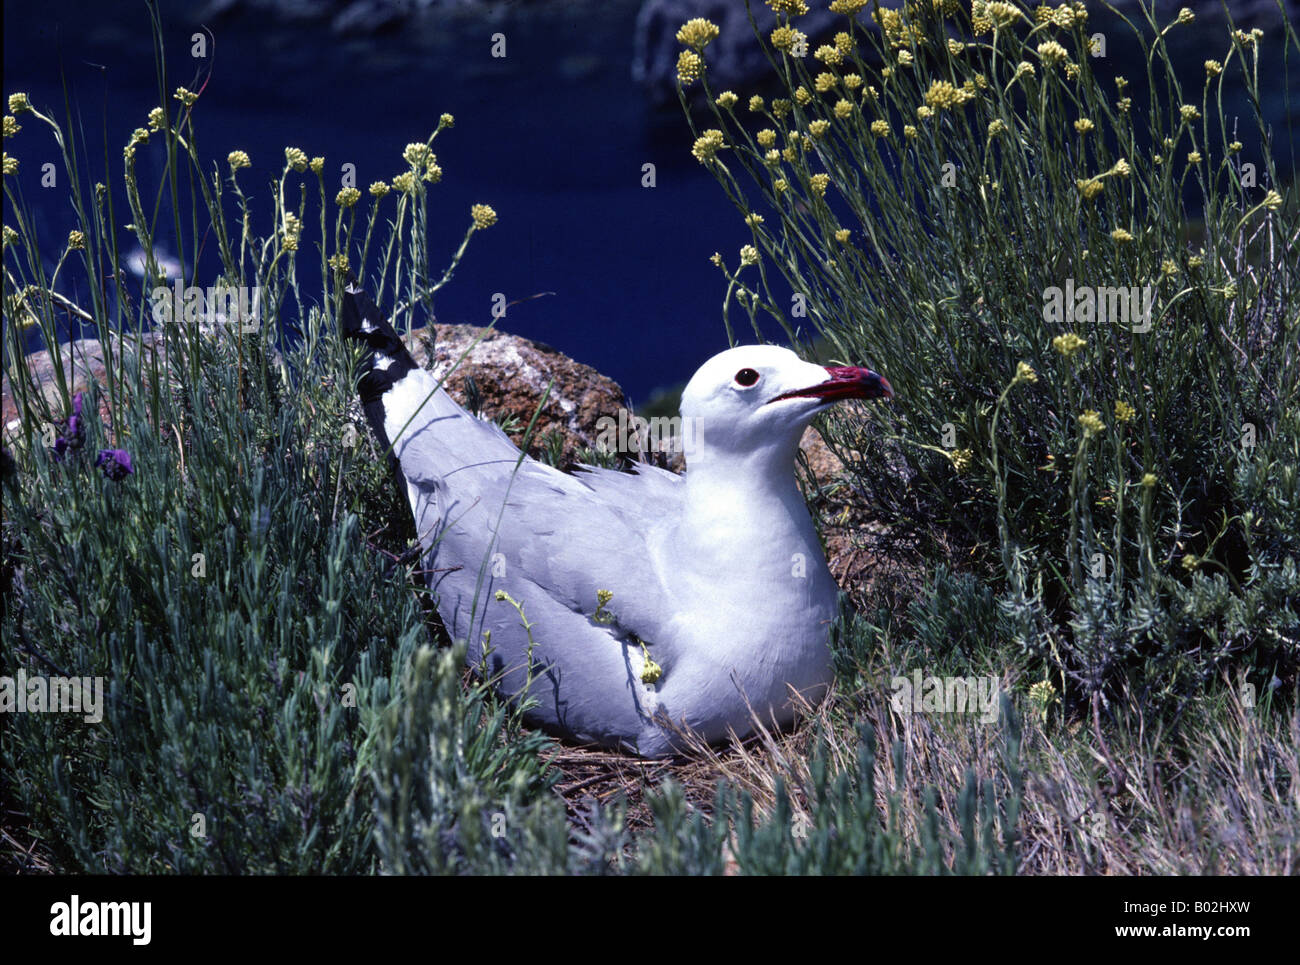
(923, 189)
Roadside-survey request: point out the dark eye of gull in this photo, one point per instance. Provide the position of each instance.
(746, 378)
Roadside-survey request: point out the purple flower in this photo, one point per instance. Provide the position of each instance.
(74, 434)
(116, 463)
(74, 420)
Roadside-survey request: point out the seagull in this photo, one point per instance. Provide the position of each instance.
(626, 610)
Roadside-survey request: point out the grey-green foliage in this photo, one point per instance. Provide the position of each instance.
(931, 183)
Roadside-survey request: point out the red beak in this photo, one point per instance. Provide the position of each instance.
(846, 382)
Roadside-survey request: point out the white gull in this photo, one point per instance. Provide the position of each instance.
(717, 577)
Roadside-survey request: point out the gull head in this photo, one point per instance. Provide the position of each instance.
(754, 402)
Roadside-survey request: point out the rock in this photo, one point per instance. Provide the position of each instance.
(510, 375)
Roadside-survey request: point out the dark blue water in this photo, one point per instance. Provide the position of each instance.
(553, 136)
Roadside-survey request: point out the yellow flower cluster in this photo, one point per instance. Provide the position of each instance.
(819, 127)
(348, 197)
(447, 120)
(1050, 52)
(708, 145)
(1024, 373)
(378, 189)
(238, 159)
(1189, 112)
(943, 94)
(10, 164)
(819, 183)
(793, 8)
(787, 38)
(880, 128)
(11, 125)
(77, 240)
(748, 255)
(417, 153)
(843, 108)
(1213, 68)
(755, 104)
(1120, 235)
(690, 66)
(766, 137)
(997, 126)
(1068, 344)
(842, 235)
(960, 458)
(849, 8)
(404, 182)
(18, 103)
(1091, 422)
(483, 215)
(1083, 125)
(186, 97)
(295, 158)
(292, 231)
(1090, 188)
(727, 100)
(698, 33)
(828, 54)
(317, 165)
(1124, 412)
(156, 119)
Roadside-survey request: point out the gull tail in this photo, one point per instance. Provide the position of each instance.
(386, 361)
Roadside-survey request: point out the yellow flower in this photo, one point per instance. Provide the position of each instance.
(19, 103)
(1043, 693)
(1091, 422)
(753, 220)
(1149, 480)
(781, 184)
(1191, 561)
(842, 236)
(698, 33)
(1185, 15)
(1120, 235)
(378, 189)
(1213, 68)
(1124, 412)
(1234, 147)
(404, 182)
(849, 8)
(748, 255)
(727, 100)
(340, 262)
(417, 153)
(780, 107)
(11, 125)
(905, 58)
(793, 8)
(1121, 168)
(824, 82)
(186, 97)
(785, 38)
(1024, 67)
(802, 95)
(1052, 53)
(996, 127)
(955, 47)
(843, 109)
(295, 158)
(943, 94)
(432, 173)
(828, 54)
(156, 119)
(1124, 103)
(960, 458)
(10, 164)
(1272, 201)
(348, 197)
(755, 104)
(1193, 157)
(446, 120)
(1195, 261)
(1168, 268)
(819, 127)
(483, 215)
(909, 131)
(1083, 125)
(292, 231)
(788, 154)
(880, 128)
(852, 81)
(766, 137)
(843, 42)
(1189, 112)
(1068, 344)
(77, 240)
(924, 112)
(1090, 188)
(819, 183)
(317, 165)
(11, 236)
(1024, 373)
(707, 146)
(689, 67)
(238, 159)
(1002, 14)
